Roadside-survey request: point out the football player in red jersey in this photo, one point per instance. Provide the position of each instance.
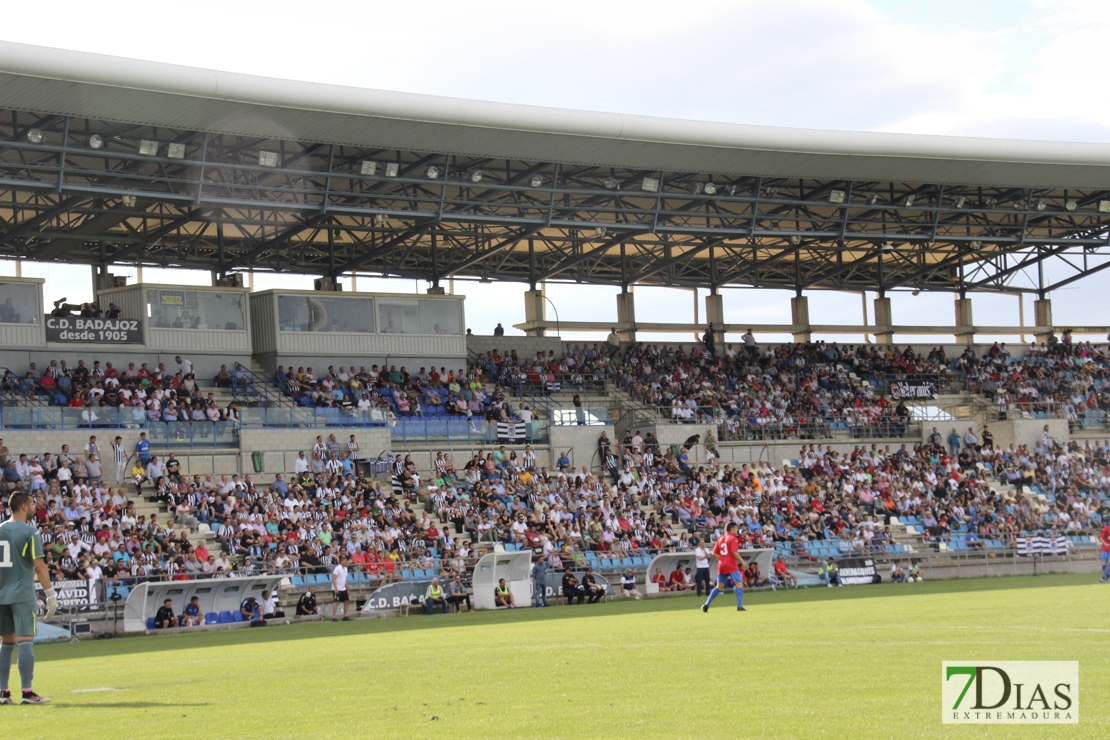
(729, 564)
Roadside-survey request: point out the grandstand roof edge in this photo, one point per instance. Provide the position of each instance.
(162, 94)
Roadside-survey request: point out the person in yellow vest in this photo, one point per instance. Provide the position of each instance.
(502, 596)
(434, 597)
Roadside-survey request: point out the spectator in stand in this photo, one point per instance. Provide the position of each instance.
(499, 331)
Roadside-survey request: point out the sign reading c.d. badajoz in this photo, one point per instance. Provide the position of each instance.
(74, 329)
(1010, 692)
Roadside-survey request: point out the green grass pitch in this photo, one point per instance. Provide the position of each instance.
(845, 663)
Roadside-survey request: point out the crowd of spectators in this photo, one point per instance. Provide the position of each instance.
(781, 392)
(142, 394)
(392, 393)
(89, 524)
(1062, 379)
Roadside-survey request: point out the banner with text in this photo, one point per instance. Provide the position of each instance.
(857, 571)
(910, 390)
(76, 330)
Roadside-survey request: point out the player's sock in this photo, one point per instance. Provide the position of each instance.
(712, 595)
(6, 652)
(1106, 570)
(739, 597)
(26, 663)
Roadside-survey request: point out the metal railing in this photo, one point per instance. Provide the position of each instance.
(472, 431)
(170, 433)
(311, 417)
(250, 386)
(747, 429)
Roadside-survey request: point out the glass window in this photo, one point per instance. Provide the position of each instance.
(19, 303)
(440, 317)
(325, 313)
(399, 315)
(195, 309)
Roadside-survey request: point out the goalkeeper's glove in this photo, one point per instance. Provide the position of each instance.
(51, 603)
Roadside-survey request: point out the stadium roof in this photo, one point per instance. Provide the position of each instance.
(222, 171)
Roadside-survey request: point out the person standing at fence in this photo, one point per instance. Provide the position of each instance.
(339, 592)
(954, 442)
(539, 582)
(142, 449)
(119, 457)
(701, 563)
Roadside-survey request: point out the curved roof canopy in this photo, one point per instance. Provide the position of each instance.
(115, 89)
(107, 160)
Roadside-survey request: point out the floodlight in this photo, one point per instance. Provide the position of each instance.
(34, 136)
(369, 167)
(709, 189)
(95, 141)
(267, 159)
(795, 240)
(611, 183)
(433, 172)
(148, 148)
(476, 176)
(960, 201)
(651, 185)
(909, 200)
(380, 219)
(1071, 205)
(1042, 204)
(1104, 206)
(128, 201)
(872, 199)
(600, 231)
(536, 181)
(175, 151)
(392, 169)
(991, 202)
(887, 247)
(837, 196)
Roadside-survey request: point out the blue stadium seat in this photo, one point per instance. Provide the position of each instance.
(150, 623)
(225, 618)
(211, 617)
(298, 582)
(237, 616)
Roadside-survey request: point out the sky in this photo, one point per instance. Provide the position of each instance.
(1016, 69)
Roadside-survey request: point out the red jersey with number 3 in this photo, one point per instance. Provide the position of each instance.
(1105, 538)
(726, 549)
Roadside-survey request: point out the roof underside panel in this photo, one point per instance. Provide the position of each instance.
(88, 85)
(212, 171)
